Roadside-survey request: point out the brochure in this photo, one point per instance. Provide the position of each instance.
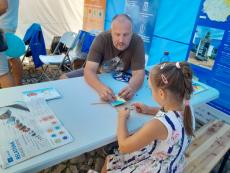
(198, 87)
(47, 93)
(32, 129)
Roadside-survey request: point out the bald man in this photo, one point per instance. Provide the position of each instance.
(116, 50)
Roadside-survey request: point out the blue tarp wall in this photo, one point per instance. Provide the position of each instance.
(173, 29)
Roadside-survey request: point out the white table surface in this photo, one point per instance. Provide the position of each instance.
(91, 126)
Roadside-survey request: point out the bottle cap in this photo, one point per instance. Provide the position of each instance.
(166, 52)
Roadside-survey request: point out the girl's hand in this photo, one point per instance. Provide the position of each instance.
(124, 113)
(141, 108)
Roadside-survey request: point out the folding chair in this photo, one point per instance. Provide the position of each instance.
(81, 48)
(62, 60)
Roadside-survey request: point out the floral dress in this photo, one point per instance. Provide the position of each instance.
(160, 156)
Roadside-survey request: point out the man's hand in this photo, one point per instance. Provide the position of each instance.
(90, 75)
(106, 94)
(127, 93)
(134, 84)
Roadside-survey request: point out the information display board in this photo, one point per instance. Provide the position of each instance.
(143, 14)
(209, 51)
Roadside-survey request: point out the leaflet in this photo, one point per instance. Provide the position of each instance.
(46, 93)
(29, 129)
(198, 87)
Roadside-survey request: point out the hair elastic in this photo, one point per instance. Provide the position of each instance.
(186, 102)
(164, 79)
(162, 66)
(178, 65)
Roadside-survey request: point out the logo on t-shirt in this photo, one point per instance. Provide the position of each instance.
(114, 64)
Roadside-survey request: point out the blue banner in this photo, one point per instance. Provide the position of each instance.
(143, 14)
(209, 51)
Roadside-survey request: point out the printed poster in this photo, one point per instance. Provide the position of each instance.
(209, 51)
(32, 129)
(143, 14)
(94, 15)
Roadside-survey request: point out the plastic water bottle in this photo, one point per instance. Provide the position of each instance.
(165, 57)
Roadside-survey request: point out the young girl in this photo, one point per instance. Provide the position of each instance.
(160, 144)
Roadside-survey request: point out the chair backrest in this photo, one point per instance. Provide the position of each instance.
(34, 38)
(30, 32)
(86, 39)
(82, 45)
(68, 39)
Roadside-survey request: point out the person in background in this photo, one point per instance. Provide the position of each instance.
(117, 50)
(8, 23)
(6, 79)
(160, 144)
